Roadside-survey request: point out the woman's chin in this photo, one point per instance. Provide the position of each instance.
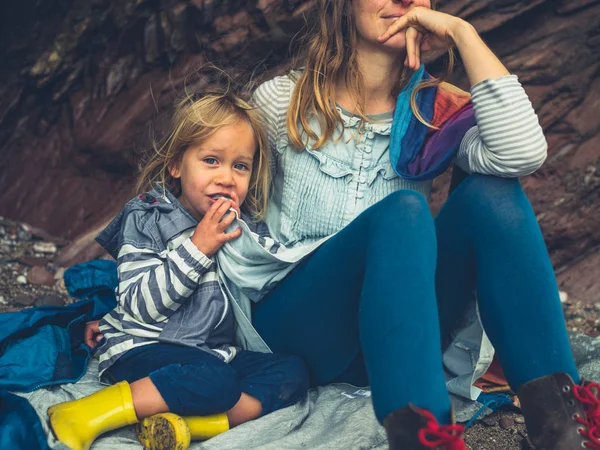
(397, 43)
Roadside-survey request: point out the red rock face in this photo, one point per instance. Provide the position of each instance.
(83, 81)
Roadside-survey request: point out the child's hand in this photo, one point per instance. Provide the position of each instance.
(210, 234)
(92, 334)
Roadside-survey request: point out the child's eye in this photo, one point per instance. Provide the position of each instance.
(210, 160)
(241, 166)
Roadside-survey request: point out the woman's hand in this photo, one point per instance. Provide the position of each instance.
(428, 30)
(425, 30)
(210, 234)
(92, 334)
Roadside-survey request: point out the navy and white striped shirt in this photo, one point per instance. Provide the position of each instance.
(168, 290)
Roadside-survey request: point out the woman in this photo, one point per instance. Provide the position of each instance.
(372, 303)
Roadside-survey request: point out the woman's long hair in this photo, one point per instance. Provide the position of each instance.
(329, 50)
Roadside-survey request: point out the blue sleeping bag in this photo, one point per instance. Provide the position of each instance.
(44, 346)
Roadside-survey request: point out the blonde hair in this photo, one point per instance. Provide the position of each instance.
(196, 118)
(329, 52)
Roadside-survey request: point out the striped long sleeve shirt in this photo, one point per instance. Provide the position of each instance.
(168, 290)
(318, 192)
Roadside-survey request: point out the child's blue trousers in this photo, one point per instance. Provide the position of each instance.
(195, 383)
(395, 282)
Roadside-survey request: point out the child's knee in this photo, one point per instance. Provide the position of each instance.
(296, 378)
(197, 390)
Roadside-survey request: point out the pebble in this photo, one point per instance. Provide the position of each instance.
(506, 422)
(44, 247)
(32, 260)
(49, 300)
(519, 419)
(597, 306)
(564, 297)
(2, 231)
(21, 279)
(3, 300)
(489, 421)
(24, 300)
(40, 276)
(23, 235)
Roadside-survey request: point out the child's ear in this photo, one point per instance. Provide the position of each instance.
(174, 170)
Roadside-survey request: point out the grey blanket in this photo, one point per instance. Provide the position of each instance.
(338, 416)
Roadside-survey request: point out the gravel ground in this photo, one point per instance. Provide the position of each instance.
(29, 277)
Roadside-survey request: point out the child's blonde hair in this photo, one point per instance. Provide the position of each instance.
(196, 118)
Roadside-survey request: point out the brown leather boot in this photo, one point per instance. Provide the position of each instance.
(412, 428)
(559, 414)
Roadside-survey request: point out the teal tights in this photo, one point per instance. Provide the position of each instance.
(383, 292)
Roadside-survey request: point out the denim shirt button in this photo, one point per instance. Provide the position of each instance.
(368, 149)
(360, 194)
(370, 134)
(362, 180)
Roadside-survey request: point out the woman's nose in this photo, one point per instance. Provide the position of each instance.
(404, 2)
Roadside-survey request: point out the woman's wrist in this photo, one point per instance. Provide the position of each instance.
(462, 32)
(479, 61)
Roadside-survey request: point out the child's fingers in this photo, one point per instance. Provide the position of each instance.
(221, 210)
(235, 198)
(91, 329)
(227, 220)
(235, 202)
(233, 235)
(214, 208)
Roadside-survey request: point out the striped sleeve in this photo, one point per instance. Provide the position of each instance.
(153, 286)
(272, 98)
(508, 140)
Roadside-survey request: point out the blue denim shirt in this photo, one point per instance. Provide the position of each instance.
(326, 189)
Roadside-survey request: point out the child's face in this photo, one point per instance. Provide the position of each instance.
(373, 18)
(220, 166)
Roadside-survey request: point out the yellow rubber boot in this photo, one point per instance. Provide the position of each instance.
(206, 427)
(79, 422)
(169, 431)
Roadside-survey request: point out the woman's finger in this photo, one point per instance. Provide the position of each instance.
(394, 28)
(418, 43)
(408, 20)
(411, 44)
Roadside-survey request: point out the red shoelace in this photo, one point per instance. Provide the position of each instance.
(447, 437)
(589, 395)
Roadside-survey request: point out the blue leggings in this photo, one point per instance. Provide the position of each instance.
(394, 282)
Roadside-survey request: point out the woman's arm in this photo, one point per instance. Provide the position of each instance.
(508, 140)
(428, 30)
(479, 61)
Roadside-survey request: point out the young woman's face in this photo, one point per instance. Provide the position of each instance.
(373, 17)
(221, 166)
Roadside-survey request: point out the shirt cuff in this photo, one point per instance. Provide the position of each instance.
(194, 257)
